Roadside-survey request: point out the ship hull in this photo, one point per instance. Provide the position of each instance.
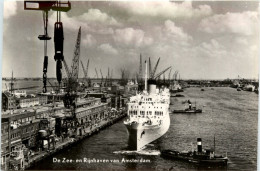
(141, 135)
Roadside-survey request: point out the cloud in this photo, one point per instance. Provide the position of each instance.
(95, 15)
(175, 32)
(89, 40)
(94, 21)
(241, 40)
(131, 37)
(210, 49)
(103, 31)
(166, 9)
(10, 9)
(245, 23)
(68, 22)
(107, 48)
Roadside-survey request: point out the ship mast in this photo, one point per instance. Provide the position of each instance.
(145, 81)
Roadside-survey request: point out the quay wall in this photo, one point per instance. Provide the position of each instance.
(72, 141)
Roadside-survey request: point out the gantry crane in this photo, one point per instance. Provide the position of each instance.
(45, 7)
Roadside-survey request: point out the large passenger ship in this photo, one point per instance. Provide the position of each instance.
(148, 115)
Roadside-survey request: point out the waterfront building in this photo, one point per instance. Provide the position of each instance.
(8, 101)
(20, 93)
(4, 142)
(30, 101)
(104, 97)
(36, 128)
(116, 101)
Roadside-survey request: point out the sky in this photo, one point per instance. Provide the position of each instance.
(200, 40)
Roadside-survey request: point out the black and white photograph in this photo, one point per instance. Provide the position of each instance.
(129, 85)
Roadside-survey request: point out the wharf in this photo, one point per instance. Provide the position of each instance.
(68, 142)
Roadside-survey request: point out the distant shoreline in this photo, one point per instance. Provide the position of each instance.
(52, 78)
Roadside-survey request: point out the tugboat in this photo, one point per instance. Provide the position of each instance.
(177, 95)
(189, 110)
(201, 157)
(192, 110)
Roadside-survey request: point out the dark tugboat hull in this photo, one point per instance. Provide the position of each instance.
(188, 111)
(189, 157)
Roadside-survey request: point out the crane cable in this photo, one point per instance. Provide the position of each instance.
(45, 63)
(58, 39)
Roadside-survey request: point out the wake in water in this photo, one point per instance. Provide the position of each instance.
(143, 151)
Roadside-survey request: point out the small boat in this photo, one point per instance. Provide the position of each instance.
(202, 89)
(249, 87)
(193, 110)
(177, 95)
(238, 89)
(201, 157)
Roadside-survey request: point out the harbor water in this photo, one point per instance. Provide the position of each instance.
(229, 115)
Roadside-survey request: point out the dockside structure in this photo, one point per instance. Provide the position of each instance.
(34, 129)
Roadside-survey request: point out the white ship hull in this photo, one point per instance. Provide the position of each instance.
(141, 135)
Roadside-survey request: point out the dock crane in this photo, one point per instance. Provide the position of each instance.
(169, 76)
(108, 81)
(45, 7)
(85, 71)
(154, 69)
(66, 73)
(96, 73)
(66, 68)
(101, 78)
(72, 81)
(160, 73)
(175, 75)
(106, 84)
(69, 100)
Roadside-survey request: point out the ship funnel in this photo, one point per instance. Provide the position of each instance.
(199, 144)
(152, 86)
